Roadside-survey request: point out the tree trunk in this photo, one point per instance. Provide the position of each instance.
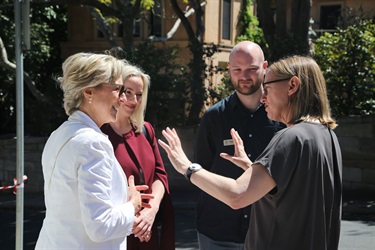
(276, 34)
(300, 21)
(267, 23)
(196, 90)
(281, 18)
(129, 13)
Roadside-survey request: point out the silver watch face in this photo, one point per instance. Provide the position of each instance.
(195, 167)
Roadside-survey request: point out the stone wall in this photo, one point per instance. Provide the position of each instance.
(356, 137)
(357, 140)
(33, 147)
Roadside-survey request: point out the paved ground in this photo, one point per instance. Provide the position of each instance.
(358, 225)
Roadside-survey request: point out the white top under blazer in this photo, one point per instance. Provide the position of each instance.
(85, 189)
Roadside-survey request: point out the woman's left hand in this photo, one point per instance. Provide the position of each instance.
(240, 157)
(143, 224)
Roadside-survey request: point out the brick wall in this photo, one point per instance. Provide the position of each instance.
(356, 137)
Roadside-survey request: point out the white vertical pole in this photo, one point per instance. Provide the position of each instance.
(20, 125)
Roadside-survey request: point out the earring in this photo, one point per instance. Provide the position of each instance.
(90, 100)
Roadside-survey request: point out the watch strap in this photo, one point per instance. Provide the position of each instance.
(194, 167)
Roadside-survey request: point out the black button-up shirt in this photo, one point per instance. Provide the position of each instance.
(214, 218)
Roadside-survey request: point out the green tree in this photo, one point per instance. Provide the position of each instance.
(348, 62)
(249, 29)
(42, 97)
(107, 12)
(168, 79)
(124, 12)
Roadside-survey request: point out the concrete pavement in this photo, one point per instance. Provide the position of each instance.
(358, 225)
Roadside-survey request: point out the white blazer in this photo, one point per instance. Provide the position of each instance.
(85, 189)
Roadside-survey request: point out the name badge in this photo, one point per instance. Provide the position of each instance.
(228, 142)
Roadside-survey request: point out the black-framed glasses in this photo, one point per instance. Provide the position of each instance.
(119, 88)
(122, 90)
(279, 80)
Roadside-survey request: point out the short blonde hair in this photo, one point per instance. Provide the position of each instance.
(85, 70)
(310, 101)
(138, 116)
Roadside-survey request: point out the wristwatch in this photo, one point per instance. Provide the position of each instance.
(194, 167)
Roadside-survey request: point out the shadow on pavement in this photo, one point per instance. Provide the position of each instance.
(356, 207)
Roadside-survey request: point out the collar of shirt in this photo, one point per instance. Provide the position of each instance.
(235, 102)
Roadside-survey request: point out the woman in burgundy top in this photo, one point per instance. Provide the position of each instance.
(137, 151)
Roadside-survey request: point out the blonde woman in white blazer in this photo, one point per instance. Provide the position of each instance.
(89, 204)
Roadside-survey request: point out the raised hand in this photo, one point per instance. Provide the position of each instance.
(174, 150)
(240, 157)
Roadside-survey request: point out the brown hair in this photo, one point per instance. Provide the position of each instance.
(310, 101)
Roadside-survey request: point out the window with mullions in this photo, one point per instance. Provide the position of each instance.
(226, 20)
(119, 32)
(136, 29)
(155, 28)
(329, 16)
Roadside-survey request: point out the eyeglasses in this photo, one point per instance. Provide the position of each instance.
(265, 88)
(119, 88)
(131, 95)
(279, 80)
(122, 90)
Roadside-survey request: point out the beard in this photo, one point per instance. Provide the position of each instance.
(247, 87)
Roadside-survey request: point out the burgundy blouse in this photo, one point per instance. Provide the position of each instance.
(148, 155)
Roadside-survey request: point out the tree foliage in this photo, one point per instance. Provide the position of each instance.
(43, 111)
(49, 29)
(42, 98)
(347, 58)
(124, 12)
(249, 26)
(165, 104)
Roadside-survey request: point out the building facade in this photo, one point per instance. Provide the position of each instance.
(220, 20)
